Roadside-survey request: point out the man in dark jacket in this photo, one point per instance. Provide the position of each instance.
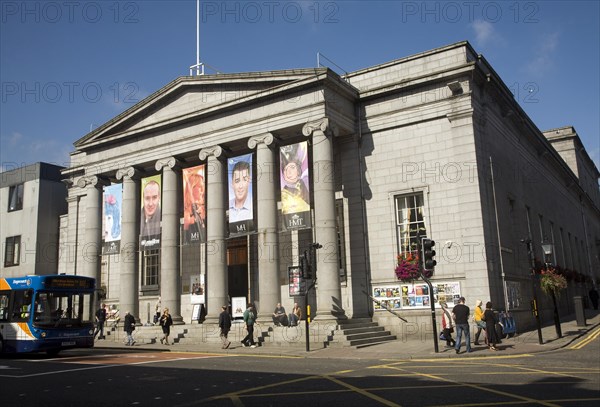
(460, 313)
(100, 319)
(129, 327)
(225, 325)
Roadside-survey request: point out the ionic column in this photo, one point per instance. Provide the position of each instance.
(128, 272)
(216, 251)
(169, 241)
(329, 292)
(268, 243)
(92, 245)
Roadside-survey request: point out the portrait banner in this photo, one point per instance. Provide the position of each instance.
(112, 200)
(150, 213)
(194, 208)
(241, 209)
(295, 181)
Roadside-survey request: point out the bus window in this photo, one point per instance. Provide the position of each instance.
(4, 311)
(22, 305)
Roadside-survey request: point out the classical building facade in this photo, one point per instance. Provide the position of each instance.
(32, 199)
(432, 145)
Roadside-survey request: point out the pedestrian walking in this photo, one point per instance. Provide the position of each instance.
(477, 314)
(461, 313)
(225, 325)
(100, 320)
(489, 317)
(165, 322)
(249, 319)
(129, 327)
(447, 325)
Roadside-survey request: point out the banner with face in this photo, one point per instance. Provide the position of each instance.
(295, 182)
(241, 209)
(150, 213)
(194, 208)
(112, 200)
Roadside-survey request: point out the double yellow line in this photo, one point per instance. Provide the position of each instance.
(586, 341)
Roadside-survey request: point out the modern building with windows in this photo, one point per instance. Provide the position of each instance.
(32, 199)
(210, 190)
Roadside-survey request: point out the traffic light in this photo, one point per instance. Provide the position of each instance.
(305, 266)
(428, 254)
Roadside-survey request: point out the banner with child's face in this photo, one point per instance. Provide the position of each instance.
(150, 231)
(241, 208)
(112, 200)
(295, 182)
(194, 207)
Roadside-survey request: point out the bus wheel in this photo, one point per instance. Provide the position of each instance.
(52, 352)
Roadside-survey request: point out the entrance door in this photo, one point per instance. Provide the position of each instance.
(237, 266)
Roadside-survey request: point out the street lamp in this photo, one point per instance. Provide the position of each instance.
(534, 302)
(548, 249)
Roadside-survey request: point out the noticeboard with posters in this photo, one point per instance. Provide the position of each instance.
(414, 296)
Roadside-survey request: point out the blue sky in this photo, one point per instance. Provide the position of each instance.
(68, 67)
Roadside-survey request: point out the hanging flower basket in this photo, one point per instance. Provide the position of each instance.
(552, 282)
(407, 268)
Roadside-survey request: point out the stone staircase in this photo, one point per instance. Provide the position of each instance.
(358, 333)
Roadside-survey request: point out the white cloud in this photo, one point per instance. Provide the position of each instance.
(484, 31)
(543, 55)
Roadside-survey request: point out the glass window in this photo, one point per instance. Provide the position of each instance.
(150, 269)
(4, 310)
(15, 198)
(12, 251)
(52, 309)
(410, 222)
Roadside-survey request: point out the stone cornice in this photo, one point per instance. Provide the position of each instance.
(267, 139)
(215, 151)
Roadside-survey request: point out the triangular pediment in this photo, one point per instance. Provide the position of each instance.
(191, 96)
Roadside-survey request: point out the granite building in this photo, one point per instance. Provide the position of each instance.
(220, 183)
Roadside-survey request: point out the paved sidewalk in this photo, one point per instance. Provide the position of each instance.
(524, 343)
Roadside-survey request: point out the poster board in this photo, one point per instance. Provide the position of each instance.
(198, 289)
(196, 312)
(297, 285)
(238, 306)
(415, 295)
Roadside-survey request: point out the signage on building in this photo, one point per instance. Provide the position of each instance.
(112, 200)
(295, 186)
(241, 208)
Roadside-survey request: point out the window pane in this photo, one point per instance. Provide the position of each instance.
(15, 198)
(411, 221)
(12, 252)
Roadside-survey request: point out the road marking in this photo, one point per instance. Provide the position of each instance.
(362, 391)
(481, 388)
(586, 341)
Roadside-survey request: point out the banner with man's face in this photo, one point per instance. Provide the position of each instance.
(150, 213)
(241, 210)
(295, 183)
(112, 200)
(194, 208)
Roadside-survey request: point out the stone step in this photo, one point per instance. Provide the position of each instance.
(361, 343)
(354, 331)
(367, 335)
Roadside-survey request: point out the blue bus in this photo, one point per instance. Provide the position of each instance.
(46, 313)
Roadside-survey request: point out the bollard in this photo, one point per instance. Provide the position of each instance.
(579, 311)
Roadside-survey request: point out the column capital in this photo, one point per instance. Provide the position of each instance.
(323, 124)
(127, 172)
(267, 139)
(215, 151)
(170, 162)
(91, 180)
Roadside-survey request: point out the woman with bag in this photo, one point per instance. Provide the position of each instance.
(447, 325)
(165, 322)
(490, 324)
(477, 314)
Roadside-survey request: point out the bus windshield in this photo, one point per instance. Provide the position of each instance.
(62, 309)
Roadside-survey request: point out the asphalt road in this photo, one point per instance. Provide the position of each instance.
(100, 377)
